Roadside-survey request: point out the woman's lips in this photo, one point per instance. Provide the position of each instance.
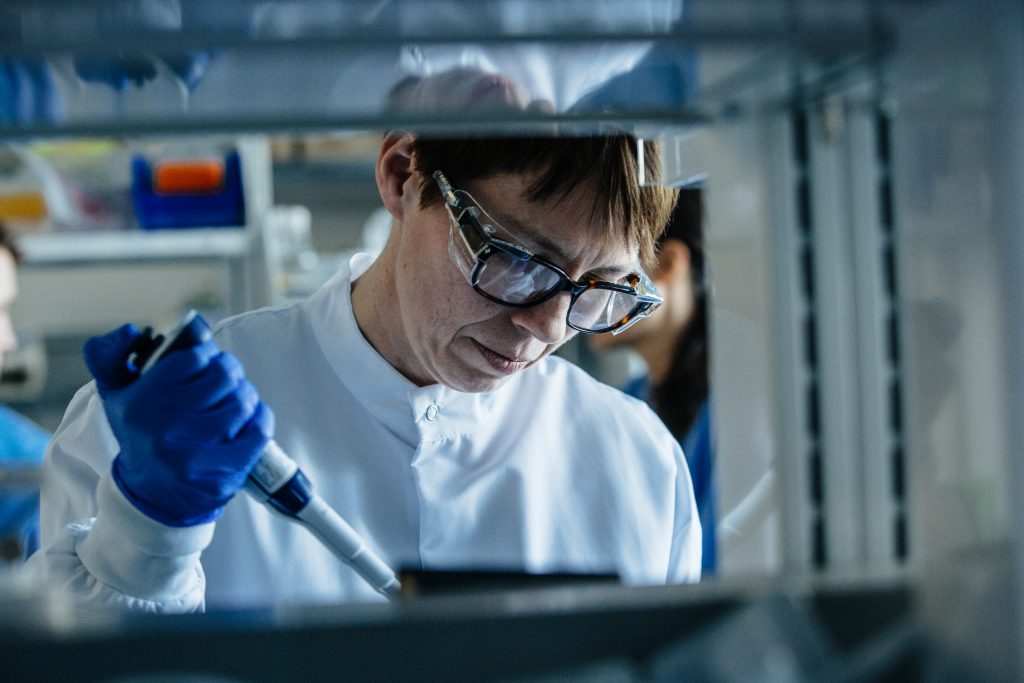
(502, 364)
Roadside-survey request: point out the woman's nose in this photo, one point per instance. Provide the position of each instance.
(546, 321)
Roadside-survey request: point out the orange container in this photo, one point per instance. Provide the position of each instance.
(22, 206)
(199, 176)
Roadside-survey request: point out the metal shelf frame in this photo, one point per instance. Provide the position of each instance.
(764, 30)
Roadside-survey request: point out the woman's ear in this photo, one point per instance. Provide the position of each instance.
(393, 171)
(673, 261)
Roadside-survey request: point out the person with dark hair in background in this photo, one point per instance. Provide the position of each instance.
(22, 442)
(674, 345)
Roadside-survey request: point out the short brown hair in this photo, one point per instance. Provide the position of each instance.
(606, 163)
(7, 242)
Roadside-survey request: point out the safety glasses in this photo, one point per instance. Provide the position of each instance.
(507, 273)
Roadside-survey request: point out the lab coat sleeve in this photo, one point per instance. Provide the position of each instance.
(94, 544)
(685, 557)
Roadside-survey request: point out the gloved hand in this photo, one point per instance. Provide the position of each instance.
(28, 95)
(117, 72)
(190, 428)
(138, 68)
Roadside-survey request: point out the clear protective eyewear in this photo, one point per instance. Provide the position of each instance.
(510, 274)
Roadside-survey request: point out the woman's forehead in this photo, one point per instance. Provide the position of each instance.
(567, 229)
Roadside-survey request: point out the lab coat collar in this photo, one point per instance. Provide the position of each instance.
(411, 412)
(379, 387)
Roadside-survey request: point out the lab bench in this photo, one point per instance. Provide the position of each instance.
(853, 631)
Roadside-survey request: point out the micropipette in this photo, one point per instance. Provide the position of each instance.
(275, 479)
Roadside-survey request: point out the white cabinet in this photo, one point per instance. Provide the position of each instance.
(69, 280)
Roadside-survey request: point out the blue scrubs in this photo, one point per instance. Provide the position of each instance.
(697, 449)
(22, 445)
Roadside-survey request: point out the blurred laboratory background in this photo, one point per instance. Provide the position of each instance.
(859, 171)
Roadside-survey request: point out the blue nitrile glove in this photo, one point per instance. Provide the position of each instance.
(117, 72)
(190, 66)
(28, 95)
(137, 68)
(190, 428)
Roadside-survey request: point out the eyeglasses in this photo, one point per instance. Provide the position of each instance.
(507, 273)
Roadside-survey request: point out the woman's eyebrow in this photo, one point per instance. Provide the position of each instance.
(537, 239)
(612, 272)
(552, 250)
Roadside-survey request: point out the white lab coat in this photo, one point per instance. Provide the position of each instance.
(553, 471)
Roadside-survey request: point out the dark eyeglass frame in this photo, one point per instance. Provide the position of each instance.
(482, 247)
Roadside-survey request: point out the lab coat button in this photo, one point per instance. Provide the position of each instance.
(432, 411)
